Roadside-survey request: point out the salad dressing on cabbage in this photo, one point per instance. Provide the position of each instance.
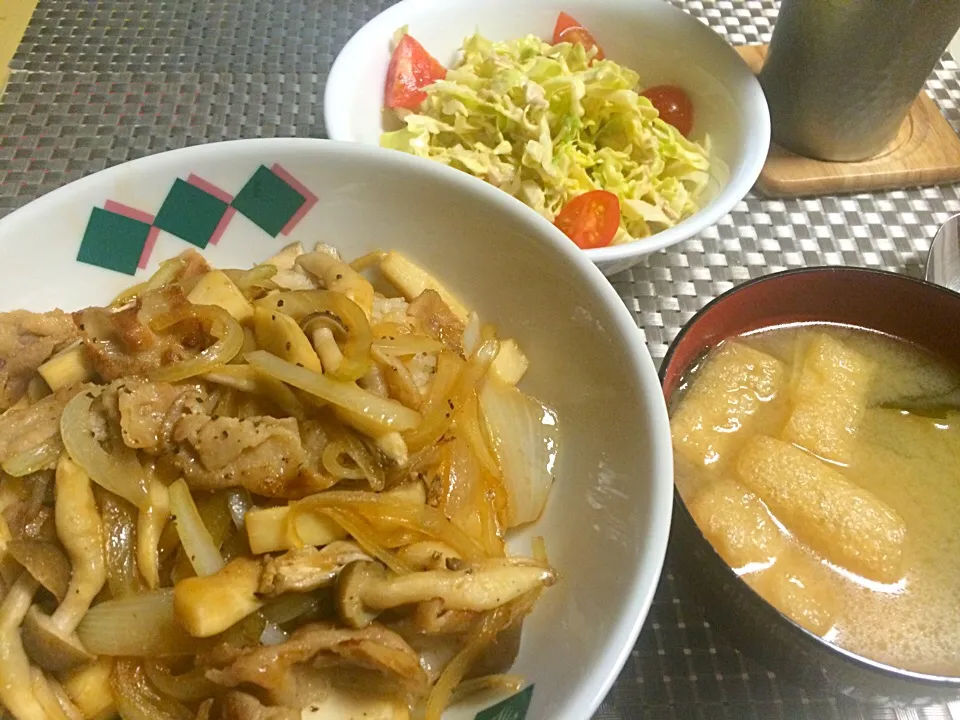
(548, 123)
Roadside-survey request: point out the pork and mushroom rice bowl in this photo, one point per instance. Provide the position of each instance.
(238, 493)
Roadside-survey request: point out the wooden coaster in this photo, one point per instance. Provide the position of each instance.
(926, 151)
(14, 17)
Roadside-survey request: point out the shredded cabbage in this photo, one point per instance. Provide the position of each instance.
(547, 123)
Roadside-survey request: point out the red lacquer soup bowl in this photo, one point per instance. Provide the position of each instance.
(913, 310)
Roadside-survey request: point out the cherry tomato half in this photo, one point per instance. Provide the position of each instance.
(411, 69)
(674, 106)
(590, 220)
(569, 30)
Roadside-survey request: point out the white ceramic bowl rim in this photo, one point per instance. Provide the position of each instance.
(385, 23)
(600, 678)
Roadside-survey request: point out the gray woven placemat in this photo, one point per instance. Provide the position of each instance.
(98, 83)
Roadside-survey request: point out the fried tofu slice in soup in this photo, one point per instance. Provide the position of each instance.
(840, 521)
(800, 589)
(738, 526)
(744, 534)
(732, 390)
(829, 398)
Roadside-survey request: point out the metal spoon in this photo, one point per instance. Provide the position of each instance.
(943, 260)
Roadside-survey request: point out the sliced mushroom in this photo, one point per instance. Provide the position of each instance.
(432, 618)
(51, 641)
(308, 568)
(352, 582)
(323, 319)
(339, 277)
(45, 561)
(325, 344)
(81, 533)
(16, 683)
(323, 329)
(365, 589)
(50, 647)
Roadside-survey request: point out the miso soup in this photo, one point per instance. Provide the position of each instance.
(822, 462)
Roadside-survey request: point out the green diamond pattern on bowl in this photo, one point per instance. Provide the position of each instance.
(196, 211)
(113, 241)
(268, 201)
(190, 213)
(513, 708)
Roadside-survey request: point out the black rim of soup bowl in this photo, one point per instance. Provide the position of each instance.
(752, 624)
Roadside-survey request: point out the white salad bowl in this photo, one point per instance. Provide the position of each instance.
(607, 518)
(662, 43)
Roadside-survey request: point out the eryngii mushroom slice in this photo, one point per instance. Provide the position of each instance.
(205, 606)
(16, 688)
(280, 528)
(51, 641)
(275, 528)
(365, 589)
(89, 689)
(412, 280)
